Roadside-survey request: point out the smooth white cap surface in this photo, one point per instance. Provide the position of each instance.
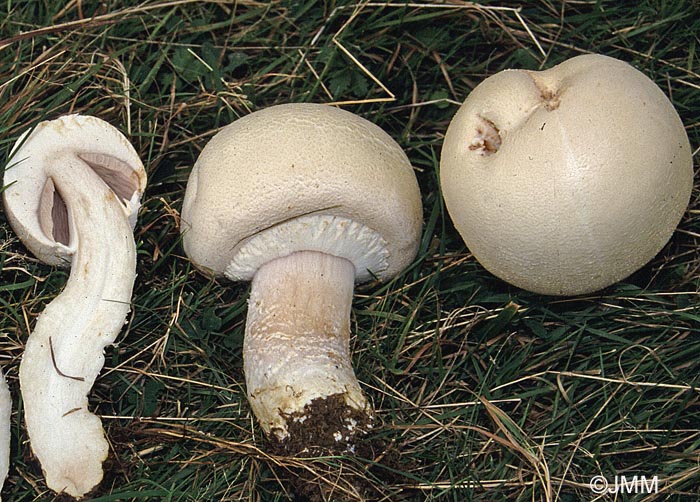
(567, 180)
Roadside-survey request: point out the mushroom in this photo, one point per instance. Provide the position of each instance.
(74, 186)
(304, 200)
(5, 415)
(567, 180)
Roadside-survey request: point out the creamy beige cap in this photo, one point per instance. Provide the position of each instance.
(567, 180)
(301, 177)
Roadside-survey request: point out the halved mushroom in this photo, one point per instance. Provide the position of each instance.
(74, 186)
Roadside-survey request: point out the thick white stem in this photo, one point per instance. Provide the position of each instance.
(296, 349)
(65, 351)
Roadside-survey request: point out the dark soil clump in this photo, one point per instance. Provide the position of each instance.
(336, 441)
(327, 426)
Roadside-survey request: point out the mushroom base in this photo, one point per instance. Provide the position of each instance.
(296, 352)
(325, 425)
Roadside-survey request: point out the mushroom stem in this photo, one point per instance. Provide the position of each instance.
(296, 351)
(5, 433)
(65, 352)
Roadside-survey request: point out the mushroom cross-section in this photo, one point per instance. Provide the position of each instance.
(304, 200)
(73, 191)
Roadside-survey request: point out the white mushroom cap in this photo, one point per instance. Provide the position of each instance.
(567, 180)
(299, 177)
(29, 196)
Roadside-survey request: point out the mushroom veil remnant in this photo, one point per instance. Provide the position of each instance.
(304, 200)
(73, 191)
(567, 180)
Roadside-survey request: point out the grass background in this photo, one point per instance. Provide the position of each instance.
(484, 391)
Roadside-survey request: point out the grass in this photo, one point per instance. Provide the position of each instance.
(485, 392)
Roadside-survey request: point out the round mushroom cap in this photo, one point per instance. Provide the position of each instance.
(568, 180)
(34, 206)
(301, 177)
